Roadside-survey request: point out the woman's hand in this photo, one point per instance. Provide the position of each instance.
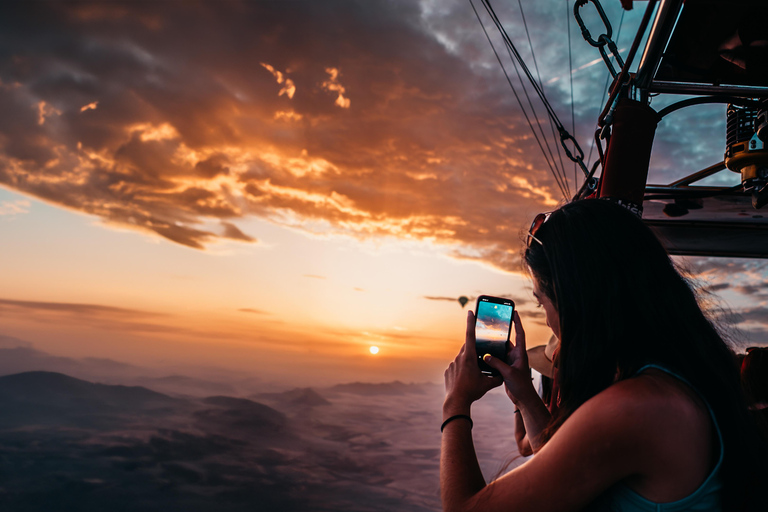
(515, 372)
(464, 382)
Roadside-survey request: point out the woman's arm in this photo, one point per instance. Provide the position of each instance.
(533, 412)
(519, 387)
(602, 443)
(521, 436)
(462, 476)
(464, 384)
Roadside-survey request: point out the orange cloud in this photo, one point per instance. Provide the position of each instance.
(333, 85)
(185, 140)
(91, 106)
(289, 88)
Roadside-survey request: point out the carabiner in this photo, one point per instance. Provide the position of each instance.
(585, 31)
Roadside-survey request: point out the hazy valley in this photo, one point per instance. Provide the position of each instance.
(71, 444)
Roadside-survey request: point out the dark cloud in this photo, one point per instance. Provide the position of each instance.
(448, 299)
(745, 277)
(718, 287)
(752, 289)
(722, 267)
(363, 118)
(108, 318)
(254, 311)
(372, 118)
(757, 315)
(517, 300)
(233, 232)
(78, 309)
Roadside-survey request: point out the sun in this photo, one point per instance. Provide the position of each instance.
(374, 350)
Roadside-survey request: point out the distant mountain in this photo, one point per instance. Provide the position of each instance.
(241, 413)
(11, 342)
(181, 384)
(54, 398)
(57, 389)
(18, 356)
(304, 397)
(385, 388)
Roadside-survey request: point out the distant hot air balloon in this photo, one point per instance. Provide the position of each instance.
(463, 301)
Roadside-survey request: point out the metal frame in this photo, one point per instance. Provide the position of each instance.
(667, 16)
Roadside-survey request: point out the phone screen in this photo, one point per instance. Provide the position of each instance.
(492, 326)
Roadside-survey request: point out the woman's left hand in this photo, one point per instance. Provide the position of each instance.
(464, 382)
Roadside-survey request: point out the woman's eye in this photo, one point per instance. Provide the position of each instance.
(538, 304)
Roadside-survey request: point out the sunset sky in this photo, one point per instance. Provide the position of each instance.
(272, 187)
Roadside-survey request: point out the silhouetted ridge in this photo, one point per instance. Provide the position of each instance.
(57, 390)
(241, 412)
(305, 397)
(184, 384)
(385, 388)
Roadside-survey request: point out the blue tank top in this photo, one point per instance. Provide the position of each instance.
(707, 498)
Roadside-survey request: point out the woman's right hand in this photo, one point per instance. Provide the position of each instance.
(515, 372)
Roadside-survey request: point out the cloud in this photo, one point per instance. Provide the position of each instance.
(289, 88)
(517, 300)
(13, 208)
(233, 232)
(110, 318)
(752, 289)
(447, 299)
(72, 308)
(91, 106)
(254, 311)
(333, 85)
(422, 139)
(718, 287)
(744, 277)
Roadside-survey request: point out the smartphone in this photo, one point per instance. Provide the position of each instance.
(493, 323)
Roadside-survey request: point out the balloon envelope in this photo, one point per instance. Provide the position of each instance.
(463, 301)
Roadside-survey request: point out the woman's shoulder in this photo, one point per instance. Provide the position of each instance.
(646, 405)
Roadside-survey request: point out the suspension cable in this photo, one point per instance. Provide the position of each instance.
(519, 101)
(564, 135)
(570, 75)
(559, 170)
(541, 84)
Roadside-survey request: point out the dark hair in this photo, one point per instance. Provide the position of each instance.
(622, 304)
(754, 375)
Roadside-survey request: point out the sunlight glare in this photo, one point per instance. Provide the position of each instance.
(374, 350)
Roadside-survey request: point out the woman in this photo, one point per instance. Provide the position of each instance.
(650, 409)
